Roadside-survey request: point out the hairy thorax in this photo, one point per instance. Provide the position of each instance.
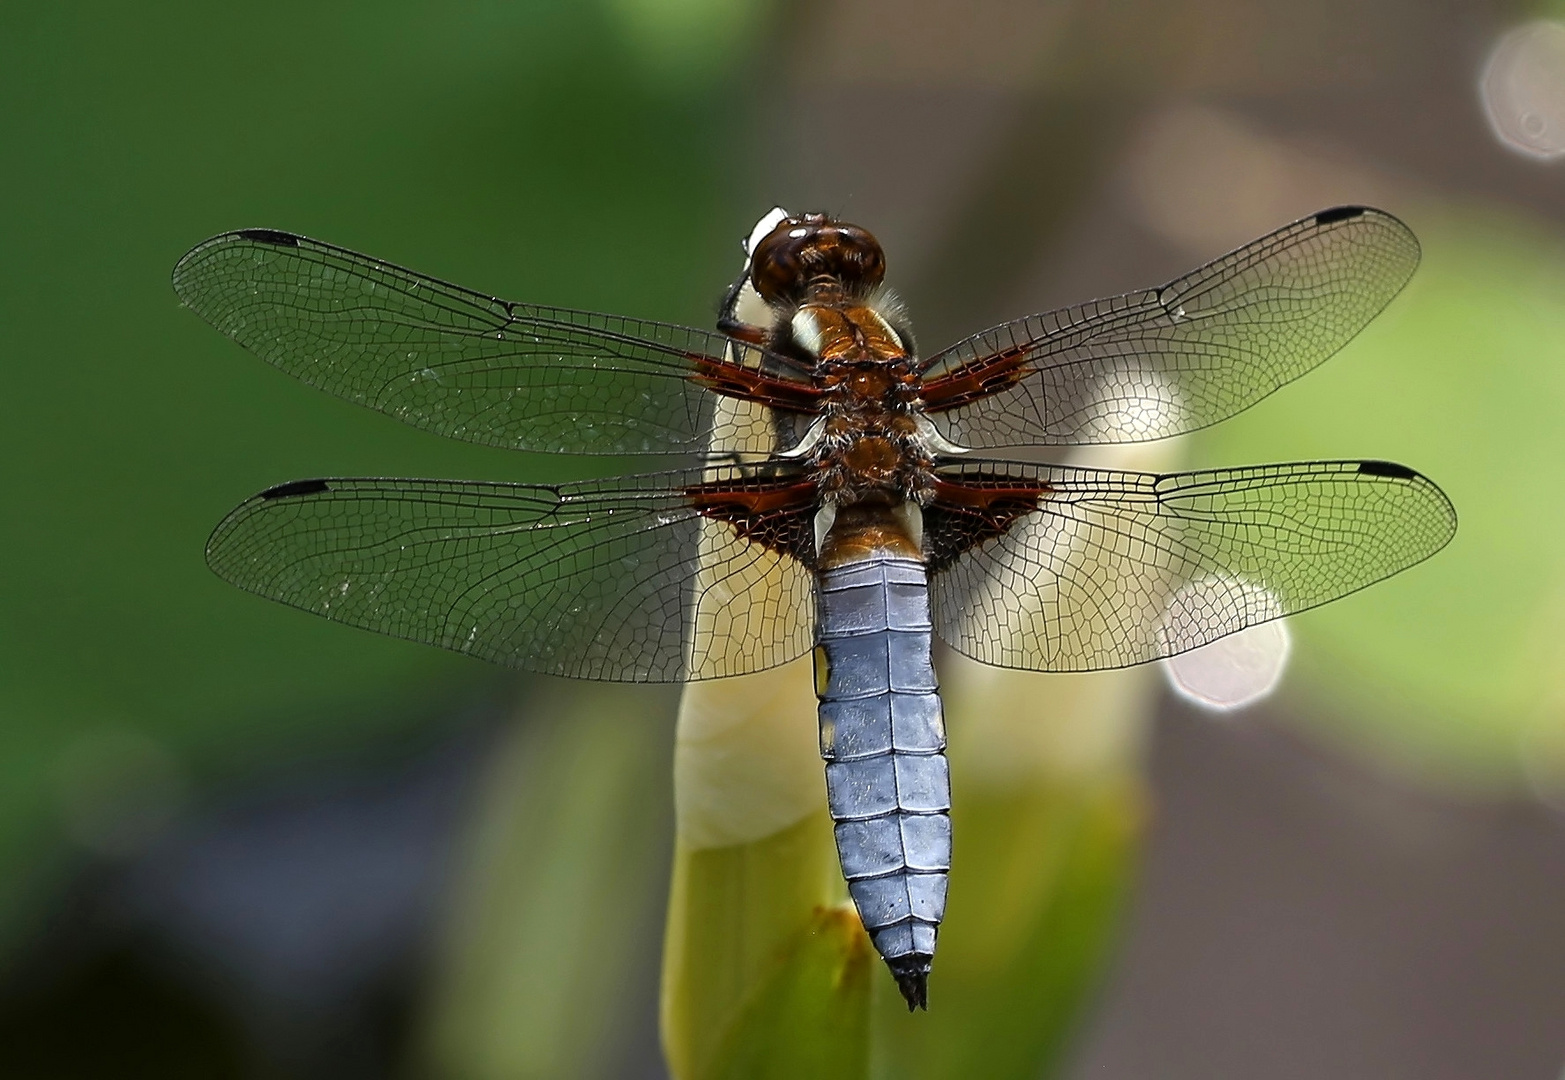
(871, 451)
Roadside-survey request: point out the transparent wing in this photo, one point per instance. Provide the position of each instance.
(473, 367)
(1157, 363)
(617, 580)
(1104, 569)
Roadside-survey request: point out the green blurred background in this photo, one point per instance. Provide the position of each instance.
(230, 834)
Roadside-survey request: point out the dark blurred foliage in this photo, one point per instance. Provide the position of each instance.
(228, 832)
(531, 149)
(520, 148)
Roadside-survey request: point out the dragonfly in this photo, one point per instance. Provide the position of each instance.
(837, 491)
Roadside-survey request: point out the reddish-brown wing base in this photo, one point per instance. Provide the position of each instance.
(976, 379)
(734, 380)
(968, 512)
(778, 514)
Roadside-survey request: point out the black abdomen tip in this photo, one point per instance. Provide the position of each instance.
(912, 975)
(271, 236)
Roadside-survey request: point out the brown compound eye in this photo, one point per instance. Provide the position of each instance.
(801, 249)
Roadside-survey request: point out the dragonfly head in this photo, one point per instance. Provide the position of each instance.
(810, 250)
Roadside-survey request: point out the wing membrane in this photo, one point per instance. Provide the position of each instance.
(1116, 568)
(618, 580)
(1157, 363)
(471, 366)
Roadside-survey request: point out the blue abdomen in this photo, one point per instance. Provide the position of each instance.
(883, 738)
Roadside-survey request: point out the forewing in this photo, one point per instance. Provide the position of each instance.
(1157, 363)
(1113, 568)
(474, 367)
(620, 580)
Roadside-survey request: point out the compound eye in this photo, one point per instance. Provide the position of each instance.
(802, 249)
(855, 256)
(778, 265)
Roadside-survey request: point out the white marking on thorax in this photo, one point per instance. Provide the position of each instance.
(825, 518)
(911, 517)
(937, 444)
(812, 439)
(807, 331)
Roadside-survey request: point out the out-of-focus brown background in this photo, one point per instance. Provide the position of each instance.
(235, 841)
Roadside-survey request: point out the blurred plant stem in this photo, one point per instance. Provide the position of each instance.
(556, 907)
(766, 970)
(1047, 812)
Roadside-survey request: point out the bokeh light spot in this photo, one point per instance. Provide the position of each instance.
(1523, 89)
(1233, 671)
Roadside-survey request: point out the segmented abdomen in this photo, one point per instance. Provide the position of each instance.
(883, 738)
